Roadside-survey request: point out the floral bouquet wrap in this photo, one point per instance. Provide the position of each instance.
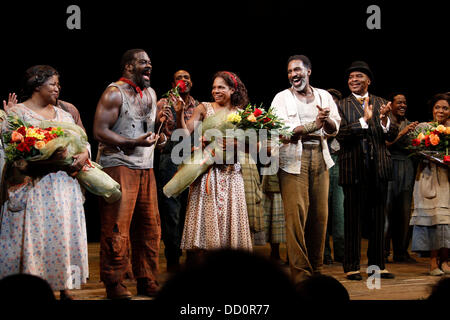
(28, 146)
(220, 127)
(431, 141)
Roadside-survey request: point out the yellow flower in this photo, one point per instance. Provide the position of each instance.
(251, 118)
(234, 118)
(440, 128)
(39, 145)
(31, 132)
(421, 136)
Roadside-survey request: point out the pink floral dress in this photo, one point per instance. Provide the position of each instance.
(42, 226)
(218, 219)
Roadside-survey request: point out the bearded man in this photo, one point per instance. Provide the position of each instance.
(124, 124)
(312, 115)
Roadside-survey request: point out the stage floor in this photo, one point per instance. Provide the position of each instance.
(411, 282)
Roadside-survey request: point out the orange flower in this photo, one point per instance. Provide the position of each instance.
(39, 145)
(434, 139)
(251, 118)
(447, 130)
(16, 137)
(421, 136)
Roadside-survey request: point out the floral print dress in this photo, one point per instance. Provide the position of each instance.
(43, 228)
(218, 219)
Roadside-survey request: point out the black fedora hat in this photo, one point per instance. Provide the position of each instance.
(360, 66)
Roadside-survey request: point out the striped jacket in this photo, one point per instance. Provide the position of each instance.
(363, 151)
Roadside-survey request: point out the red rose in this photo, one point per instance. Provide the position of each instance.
(427, 141)
(23, 147)
(266, 119)
(416, 142)
(447, 159)
(257, 112)
(181, 85)
(22, 131)
(30, 141)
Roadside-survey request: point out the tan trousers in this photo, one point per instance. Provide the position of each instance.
(134, 219)
(305, 199)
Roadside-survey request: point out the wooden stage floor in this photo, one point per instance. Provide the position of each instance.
(412, 281)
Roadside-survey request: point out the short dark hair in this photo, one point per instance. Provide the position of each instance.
(441, 289)
(436, 98)
(36, 76)
(320, 286)
(304, 59)
(394, 94)
(128, 57)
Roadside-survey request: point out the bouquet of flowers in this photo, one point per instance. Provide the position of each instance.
(432, 141)
(25, 144)
(228, 125)
(257, 118)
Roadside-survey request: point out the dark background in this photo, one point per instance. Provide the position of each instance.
(252, 38)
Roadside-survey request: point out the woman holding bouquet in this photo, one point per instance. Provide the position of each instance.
(431, 201)
(216, 215)
(43, 229)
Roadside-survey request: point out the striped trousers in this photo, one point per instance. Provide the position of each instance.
(364, 214)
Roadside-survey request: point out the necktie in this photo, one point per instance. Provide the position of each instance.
(361, 101)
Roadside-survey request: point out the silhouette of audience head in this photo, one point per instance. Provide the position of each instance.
(230, 277)
(320, 288)
(25, 288)
(441, 291)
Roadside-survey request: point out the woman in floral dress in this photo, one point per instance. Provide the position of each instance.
(43, 230)
(217, 217)
(431, 201)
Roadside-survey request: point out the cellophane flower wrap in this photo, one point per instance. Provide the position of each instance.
(431, 140)
(25, 143)
(249, 118)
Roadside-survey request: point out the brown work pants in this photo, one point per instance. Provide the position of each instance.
(134, 218)
(305, 200)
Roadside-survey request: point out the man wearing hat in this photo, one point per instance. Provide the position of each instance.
(364, 170)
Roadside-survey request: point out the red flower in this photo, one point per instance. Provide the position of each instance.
(427, 141)
(257, 112)
(22, 131)
(182, 85)
(447, 159)
(416, 142)
(23, 147)
(266, 119)
(30, 141)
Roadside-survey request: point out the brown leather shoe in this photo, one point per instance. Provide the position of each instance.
(117, 291)
(147, 287)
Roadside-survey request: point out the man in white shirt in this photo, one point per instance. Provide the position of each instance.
(364, 170)
(305, 159)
